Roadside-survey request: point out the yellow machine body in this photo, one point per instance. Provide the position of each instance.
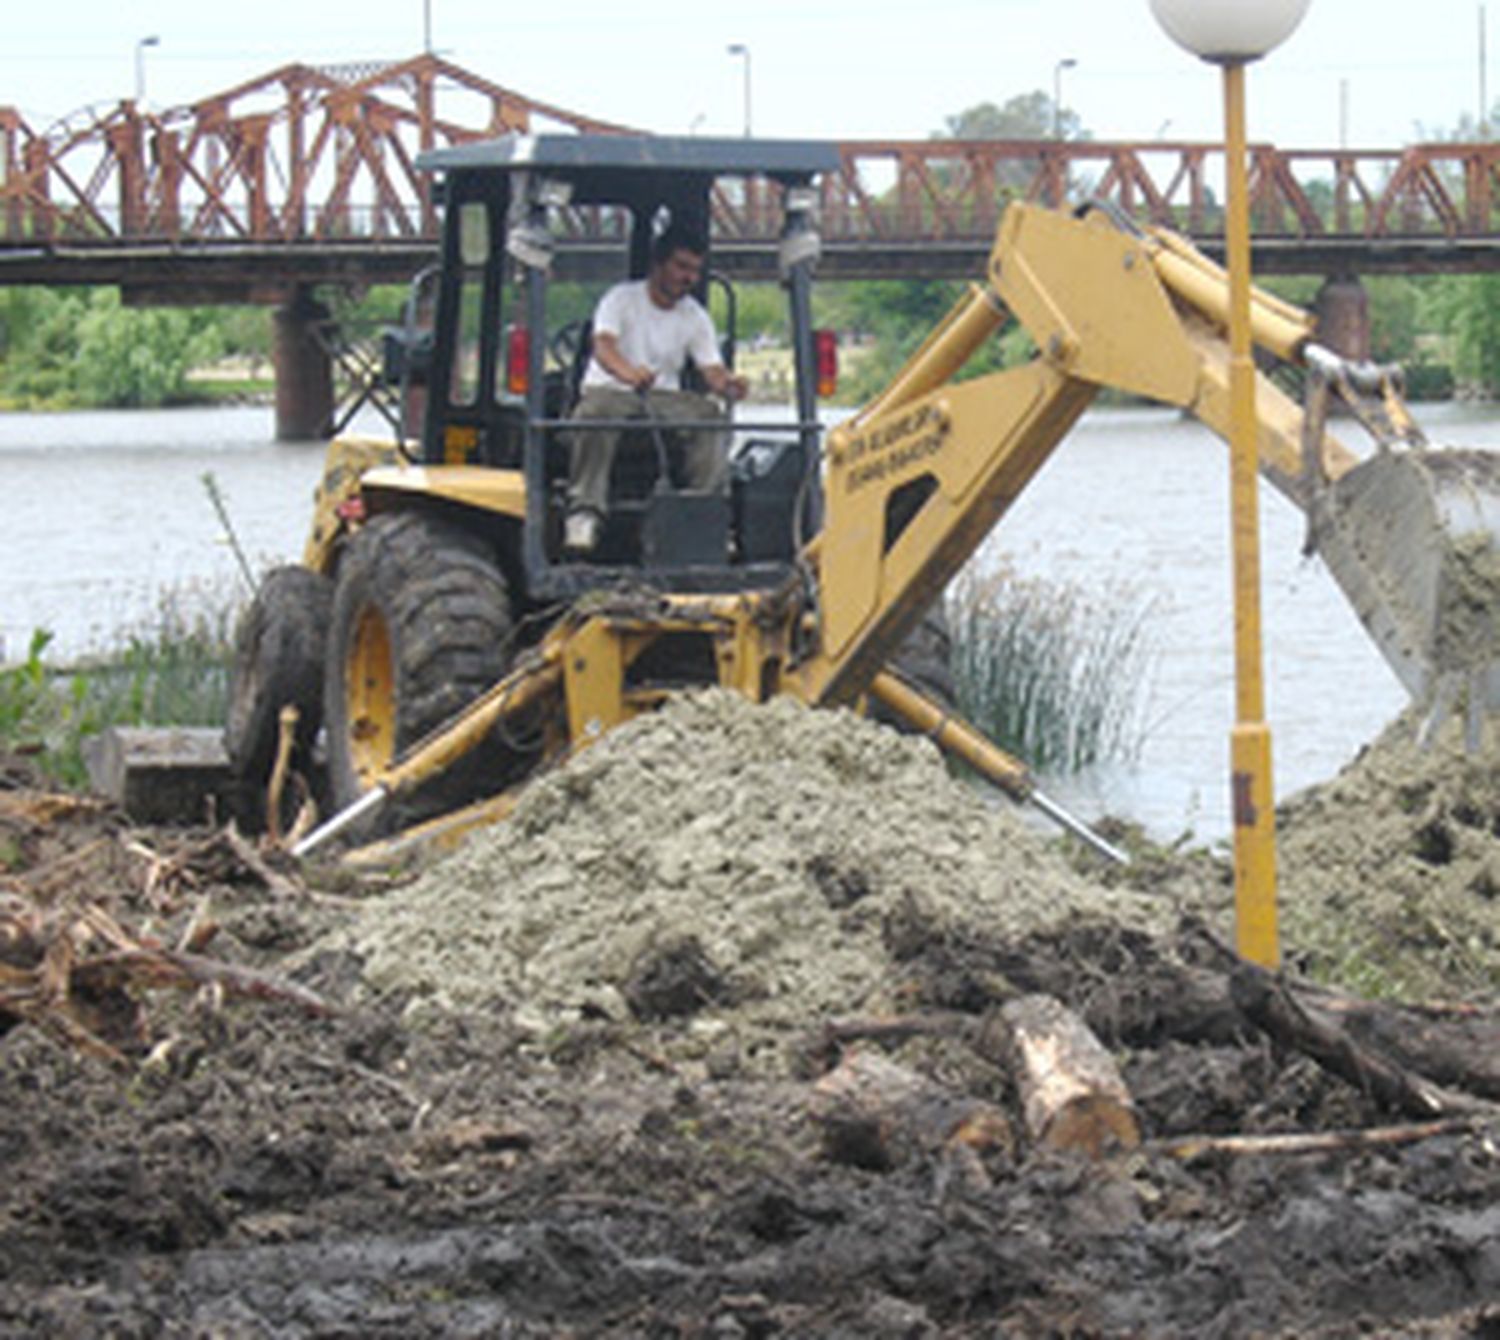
(915, 482)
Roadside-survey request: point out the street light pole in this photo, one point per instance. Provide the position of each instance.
(1484, 88)
(743, 51)
(140, 67)
(1066, 63)
(1231, 34)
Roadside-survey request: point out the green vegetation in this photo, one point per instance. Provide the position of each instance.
(87, 348)
(1052, 675)
(173, 673)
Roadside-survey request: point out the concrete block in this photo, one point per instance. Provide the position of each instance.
(162, 774)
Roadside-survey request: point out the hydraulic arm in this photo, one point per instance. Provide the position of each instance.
(920, 477)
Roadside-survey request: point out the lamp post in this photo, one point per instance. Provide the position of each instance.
(1484, 89)
(140, 66)
(1231, 34)
(741, 50)
(1066, 63)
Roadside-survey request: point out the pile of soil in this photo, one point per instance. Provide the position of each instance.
(772, 846)
(1392, 869)
(567, 1089)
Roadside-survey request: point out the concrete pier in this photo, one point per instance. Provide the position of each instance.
(1343, 316)
(304, 370)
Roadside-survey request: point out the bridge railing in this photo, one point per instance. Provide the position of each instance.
(317, 155)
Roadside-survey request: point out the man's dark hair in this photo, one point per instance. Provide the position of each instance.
(678, 237)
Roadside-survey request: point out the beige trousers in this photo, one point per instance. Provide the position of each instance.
(705, 454)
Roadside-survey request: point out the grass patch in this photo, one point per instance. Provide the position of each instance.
(230, 390)
(1052, 675)
(173, 673)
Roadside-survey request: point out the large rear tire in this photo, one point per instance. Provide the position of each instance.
(278, 662)
(421, 625)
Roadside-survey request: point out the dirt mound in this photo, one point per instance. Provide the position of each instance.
(1391, 870)
(569, 1090)
(758, 853)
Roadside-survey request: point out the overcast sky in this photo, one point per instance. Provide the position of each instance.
(839, 68)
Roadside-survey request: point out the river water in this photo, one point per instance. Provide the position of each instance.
(108, 515)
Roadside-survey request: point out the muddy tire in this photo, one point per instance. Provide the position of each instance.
(421, 625)
(278, 661)
(925, 660)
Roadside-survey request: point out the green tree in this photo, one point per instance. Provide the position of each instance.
(139, 358)
(1027, 116)
(1468, 309)
(39, 344)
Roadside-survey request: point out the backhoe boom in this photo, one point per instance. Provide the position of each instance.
(917, 480)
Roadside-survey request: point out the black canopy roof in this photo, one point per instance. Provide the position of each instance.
(576, 158)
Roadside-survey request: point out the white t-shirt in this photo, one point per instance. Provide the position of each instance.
(660, 338)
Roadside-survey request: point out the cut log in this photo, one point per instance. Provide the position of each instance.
(875, 1113)
(1072, 1094)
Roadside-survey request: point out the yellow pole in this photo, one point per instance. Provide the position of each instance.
(1250, 741)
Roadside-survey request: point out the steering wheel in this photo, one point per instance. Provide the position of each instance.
(567, 342)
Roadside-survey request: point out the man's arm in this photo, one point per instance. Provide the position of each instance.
(634, 375)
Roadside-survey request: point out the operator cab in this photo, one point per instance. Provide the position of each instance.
(535, 228)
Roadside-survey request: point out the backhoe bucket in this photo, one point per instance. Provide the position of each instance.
(1412, 536)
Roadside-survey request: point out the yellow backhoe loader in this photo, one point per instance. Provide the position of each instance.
(448, 646)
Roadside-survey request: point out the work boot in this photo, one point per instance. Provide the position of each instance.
(581, 532)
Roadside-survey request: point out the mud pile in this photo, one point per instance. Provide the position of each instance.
(1391, 870)
(550, 1158)
(766, 849)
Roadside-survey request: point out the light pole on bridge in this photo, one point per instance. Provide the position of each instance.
(140, 66)
(1066, 63)
(741, 50)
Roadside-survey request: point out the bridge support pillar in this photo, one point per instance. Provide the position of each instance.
(304, 370)
(1343, 316)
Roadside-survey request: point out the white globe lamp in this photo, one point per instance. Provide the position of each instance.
(1229, 30)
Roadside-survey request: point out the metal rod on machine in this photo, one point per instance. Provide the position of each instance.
(448, 743)
(957, 737)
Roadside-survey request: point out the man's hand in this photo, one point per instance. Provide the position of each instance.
(728, 384)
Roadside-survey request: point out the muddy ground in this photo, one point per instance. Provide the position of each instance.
(615, 1136)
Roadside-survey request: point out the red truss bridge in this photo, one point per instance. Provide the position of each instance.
(307, 173)
(307, 176)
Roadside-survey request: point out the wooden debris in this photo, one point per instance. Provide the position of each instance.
(1188, 1147)
(469, 1137)
(1268, 1002)
(286, 739)
(1448, 1044)
(875, 1113)
(77, 974)
(1072, 1094)
(280, 885)
(43, 808)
